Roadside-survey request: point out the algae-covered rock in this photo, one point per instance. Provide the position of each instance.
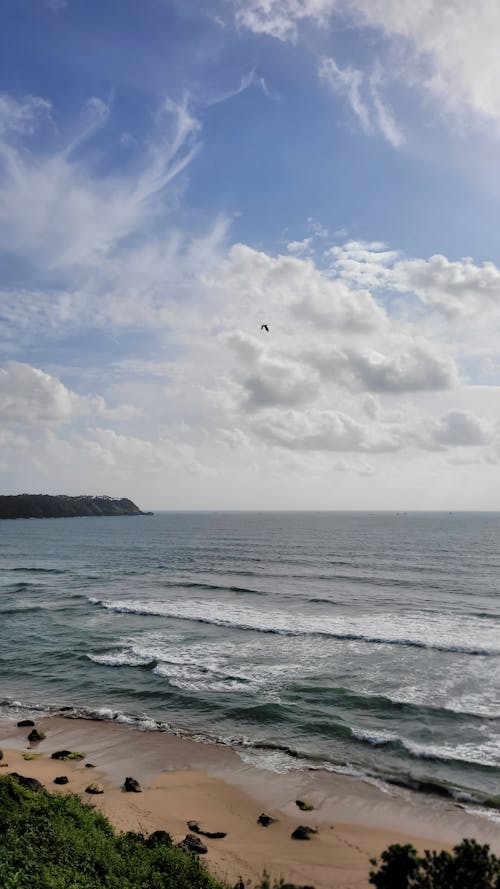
(304, 807)
(36, 735)
(68, 754)
(30, 756)
(94, 788)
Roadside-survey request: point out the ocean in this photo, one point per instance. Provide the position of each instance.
(363, 643)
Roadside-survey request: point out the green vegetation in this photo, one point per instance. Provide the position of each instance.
(57, 842)
(469, 866)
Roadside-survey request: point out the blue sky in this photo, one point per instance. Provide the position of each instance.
(171, 177)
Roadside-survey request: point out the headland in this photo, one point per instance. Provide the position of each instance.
(50, 506)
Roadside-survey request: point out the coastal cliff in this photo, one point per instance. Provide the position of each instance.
(48, 506)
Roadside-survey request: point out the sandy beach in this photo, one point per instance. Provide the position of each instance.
(185, 780)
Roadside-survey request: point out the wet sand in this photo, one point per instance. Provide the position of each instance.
(186, 780)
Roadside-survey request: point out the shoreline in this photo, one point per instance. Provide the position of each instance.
(283, 757)
(186, 780)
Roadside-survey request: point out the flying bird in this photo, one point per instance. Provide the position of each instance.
(264, 327)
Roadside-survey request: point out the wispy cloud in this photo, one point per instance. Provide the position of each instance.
(448, 50)
(371, 110)
(60, 213)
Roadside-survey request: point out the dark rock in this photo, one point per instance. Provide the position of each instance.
(132, 786)
(240, 884)
(304, 807)
(266, 820)
(89, 765)
(36, 735)
(303, 832)
(159, 838)
(210, 834)
(193, 844)
(94, 788)
(1, 754)
(25, 723)
(62, 779)
(29, 783)
(65, 709)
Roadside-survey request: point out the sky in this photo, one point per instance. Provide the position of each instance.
(173, 175)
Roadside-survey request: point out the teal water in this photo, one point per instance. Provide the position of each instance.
(366, 643)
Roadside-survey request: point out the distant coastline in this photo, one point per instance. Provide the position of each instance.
(48, 506)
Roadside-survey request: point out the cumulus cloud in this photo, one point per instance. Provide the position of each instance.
(325, 430)
(28, 396)
(457, 288)
(458, 428)
(404, 369)
(267, 379)
(299, 285)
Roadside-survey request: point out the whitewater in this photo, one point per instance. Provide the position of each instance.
(367, 643)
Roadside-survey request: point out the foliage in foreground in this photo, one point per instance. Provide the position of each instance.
(56, 842)
(469, 866)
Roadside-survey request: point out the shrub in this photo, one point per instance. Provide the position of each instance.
(58, 842)
(469, 866)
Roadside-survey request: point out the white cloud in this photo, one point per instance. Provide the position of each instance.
(364, 94)
(346, 81)
(20, 117)
(325, 430)
(456, 43)
(458, 428)
(448, 48)
(407, 367)
(279, 18)
(58, 214)
(28, 396)
(299, 248)
(365, 264)
(382, 113)
(457, 288)
(270, 284)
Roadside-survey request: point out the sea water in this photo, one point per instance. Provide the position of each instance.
(366, 643)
